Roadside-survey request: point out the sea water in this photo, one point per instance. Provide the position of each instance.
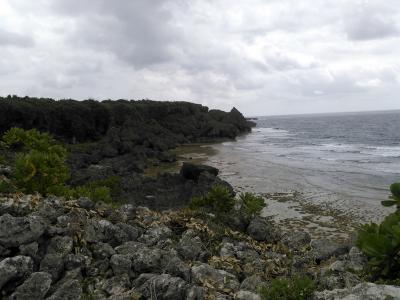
(347, 160)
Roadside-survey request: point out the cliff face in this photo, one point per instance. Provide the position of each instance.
(122, 138)
(150, 123)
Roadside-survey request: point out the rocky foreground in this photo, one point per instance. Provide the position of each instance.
(51, 248)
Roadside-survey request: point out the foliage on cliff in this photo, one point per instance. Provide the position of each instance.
(381, 242)
(39, 166)
(140, 121)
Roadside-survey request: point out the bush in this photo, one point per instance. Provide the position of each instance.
(219, 200)
(296, 288)
(40, 166)
(251, 204)
(381, 244)
(395, 197)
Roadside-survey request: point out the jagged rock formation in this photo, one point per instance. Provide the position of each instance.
(51, 248)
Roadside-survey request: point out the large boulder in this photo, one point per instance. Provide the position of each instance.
(166, 286)
(16, 231)
(222, 280)
(69, 290)
(13, 268)
(53, 264)
(189, 246)
(324, 249)
(261, 229)
(35, 287)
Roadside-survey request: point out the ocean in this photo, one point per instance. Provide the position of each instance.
(346, 161)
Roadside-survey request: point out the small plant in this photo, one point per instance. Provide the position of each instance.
(381, 244)
(251, 204)
(395, 197)
(296, 288)
(40, 166)
(219, 200)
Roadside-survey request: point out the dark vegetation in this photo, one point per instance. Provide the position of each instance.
(296, 288)
(120, 139)
(381, 242)
(38, 165)
(138, 121)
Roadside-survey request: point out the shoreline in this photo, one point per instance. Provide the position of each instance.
(289, 210)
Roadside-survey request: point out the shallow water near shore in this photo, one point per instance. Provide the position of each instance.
(332, 171)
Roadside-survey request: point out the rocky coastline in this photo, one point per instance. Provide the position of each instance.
(148, 244)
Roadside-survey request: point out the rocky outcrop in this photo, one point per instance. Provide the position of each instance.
(362, 291)
(75, 249)
(169, 191)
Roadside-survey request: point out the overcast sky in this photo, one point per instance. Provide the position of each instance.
(262, 56)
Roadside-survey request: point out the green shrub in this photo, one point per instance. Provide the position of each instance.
(219, 200)
(40, 166)
(101, 193)
(395, 197)
(381, 244)
(296, 288)
(251, 204)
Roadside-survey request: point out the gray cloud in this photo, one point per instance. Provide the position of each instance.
(8, 38)
(264, 57)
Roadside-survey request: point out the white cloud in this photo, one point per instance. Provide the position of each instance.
(260, 56)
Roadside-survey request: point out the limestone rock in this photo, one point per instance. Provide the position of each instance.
(13, 268)
(35, 287)
(16, 231)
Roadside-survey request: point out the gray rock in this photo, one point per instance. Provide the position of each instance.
(189, 246)
(102, 250)
(29, 249)
(98, 267)
(130, 247)
(149, 260)
(16, 231)
(171, 264)
(52, 263)
(195, 292)
(61, 245)
(93, 232)
(121, 264)
(362, 291)
(324, 249)
(357, 260)
(261, 229)
(131, 232)
(73, 261)
(116, 285)
(85, 203)
(336, 277)
(222, 279)
(252, 283)
(296, 240)
(227, 249)
(13, 268)
(163, 287)
(246, 295)
(69, 290)
(35, 287)
(113, 234)
(155, 235)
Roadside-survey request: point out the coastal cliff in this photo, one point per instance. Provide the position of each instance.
(121, 139)
(108, 231)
